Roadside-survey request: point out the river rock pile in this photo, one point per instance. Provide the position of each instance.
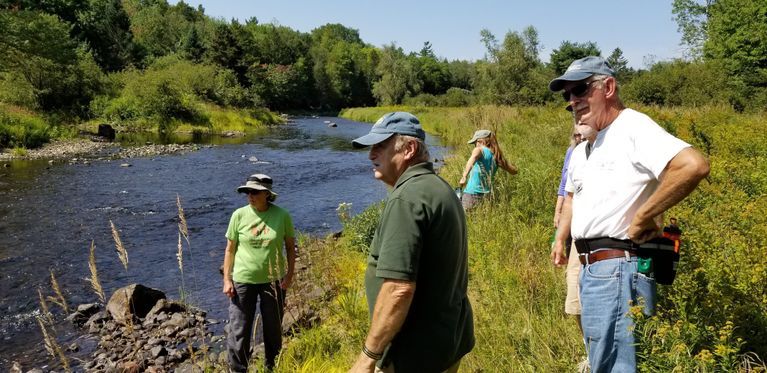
(141, 330)
(60, 150)
(154, 150)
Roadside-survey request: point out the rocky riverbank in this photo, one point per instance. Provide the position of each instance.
(85, 151)
(140, 330)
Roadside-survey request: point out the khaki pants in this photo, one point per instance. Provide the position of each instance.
(390, 368)
(573, 300)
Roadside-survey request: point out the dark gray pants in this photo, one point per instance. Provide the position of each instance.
(242, 312)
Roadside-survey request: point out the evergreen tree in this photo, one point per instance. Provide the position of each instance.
(568, 52)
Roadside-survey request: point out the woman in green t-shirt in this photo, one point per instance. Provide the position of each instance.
(257, 268)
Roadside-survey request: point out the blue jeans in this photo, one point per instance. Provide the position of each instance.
(609, 288)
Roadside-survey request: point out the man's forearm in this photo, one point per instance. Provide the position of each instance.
(680, 178)
(565, 219)
(389, 313)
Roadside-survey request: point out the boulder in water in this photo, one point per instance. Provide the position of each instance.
(133, 300)
(106, 131)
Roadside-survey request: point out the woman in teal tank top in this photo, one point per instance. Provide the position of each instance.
(480, 169)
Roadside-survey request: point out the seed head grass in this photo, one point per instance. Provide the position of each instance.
(59, 299)
(46, 314)
(121, 252)
(94, 279)
(53, 348)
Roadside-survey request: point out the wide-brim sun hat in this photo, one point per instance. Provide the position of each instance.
(479, 134)
(257, 182)
(398, 122)
(581, 69)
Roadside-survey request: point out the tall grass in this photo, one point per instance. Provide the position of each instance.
(20, 128)
(714, 317)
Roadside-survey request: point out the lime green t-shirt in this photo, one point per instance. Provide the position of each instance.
(260, 237)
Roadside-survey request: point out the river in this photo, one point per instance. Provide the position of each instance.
(49, 214)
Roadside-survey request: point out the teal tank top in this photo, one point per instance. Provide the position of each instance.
(482, 173)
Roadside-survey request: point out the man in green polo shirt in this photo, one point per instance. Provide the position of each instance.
(421, 319)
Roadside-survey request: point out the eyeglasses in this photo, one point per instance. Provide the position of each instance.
(578, 90)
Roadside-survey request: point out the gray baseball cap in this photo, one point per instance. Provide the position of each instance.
(398, 122)
(479, 134)
(582, 69)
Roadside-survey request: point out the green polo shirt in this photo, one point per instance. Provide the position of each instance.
(422, 237)
(260, 237)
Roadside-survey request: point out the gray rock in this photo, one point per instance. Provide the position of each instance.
(16, 367)
(177, 320)
(165, 306)
(161, 317)
(97, 319)
(158, 351)
(83, 313)
(186, 333)
(35, 370)
(133, 300)
(160, 361)
(188, 367)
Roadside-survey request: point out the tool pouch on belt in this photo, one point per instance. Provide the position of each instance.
(659, 255)
(665, 258)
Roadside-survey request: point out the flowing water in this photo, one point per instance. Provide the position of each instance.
(49, 214)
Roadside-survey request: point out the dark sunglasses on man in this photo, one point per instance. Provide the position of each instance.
(577, 90)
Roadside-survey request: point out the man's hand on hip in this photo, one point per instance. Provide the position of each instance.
(643, 230)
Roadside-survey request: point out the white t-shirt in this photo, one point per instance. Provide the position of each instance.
(626, 160)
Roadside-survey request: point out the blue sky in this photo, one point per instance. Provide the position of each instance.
(640, 29)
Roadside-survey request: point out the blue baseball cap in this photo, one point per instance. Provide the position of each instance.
(398, 122)
(582, 69)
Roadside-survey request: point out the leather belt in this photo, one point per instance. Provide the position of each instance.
(587, 245)
(604, 254)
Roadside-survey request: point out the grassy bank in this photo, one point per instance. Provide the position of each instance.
(212, 119)
(22, 129)
(713, 318)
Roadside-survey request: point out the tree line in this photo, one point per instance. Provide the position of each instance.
(123, 60)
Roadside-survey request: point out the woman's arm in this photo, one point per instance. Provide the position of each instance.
(508, 166)
(290, 249)
(558, 210)
(231, 248)
(475, 153)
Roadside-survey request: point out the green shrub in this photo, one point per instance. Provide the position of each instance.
(359, 229)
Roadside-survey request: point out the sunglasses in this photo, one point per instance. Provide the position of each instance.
(578, 90)
(253, 191)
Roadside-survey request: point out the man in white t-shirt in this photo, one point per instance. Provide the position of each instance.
(631, 172)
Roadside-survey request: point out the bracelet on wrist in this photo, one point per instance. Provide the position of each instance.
(371, 354)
